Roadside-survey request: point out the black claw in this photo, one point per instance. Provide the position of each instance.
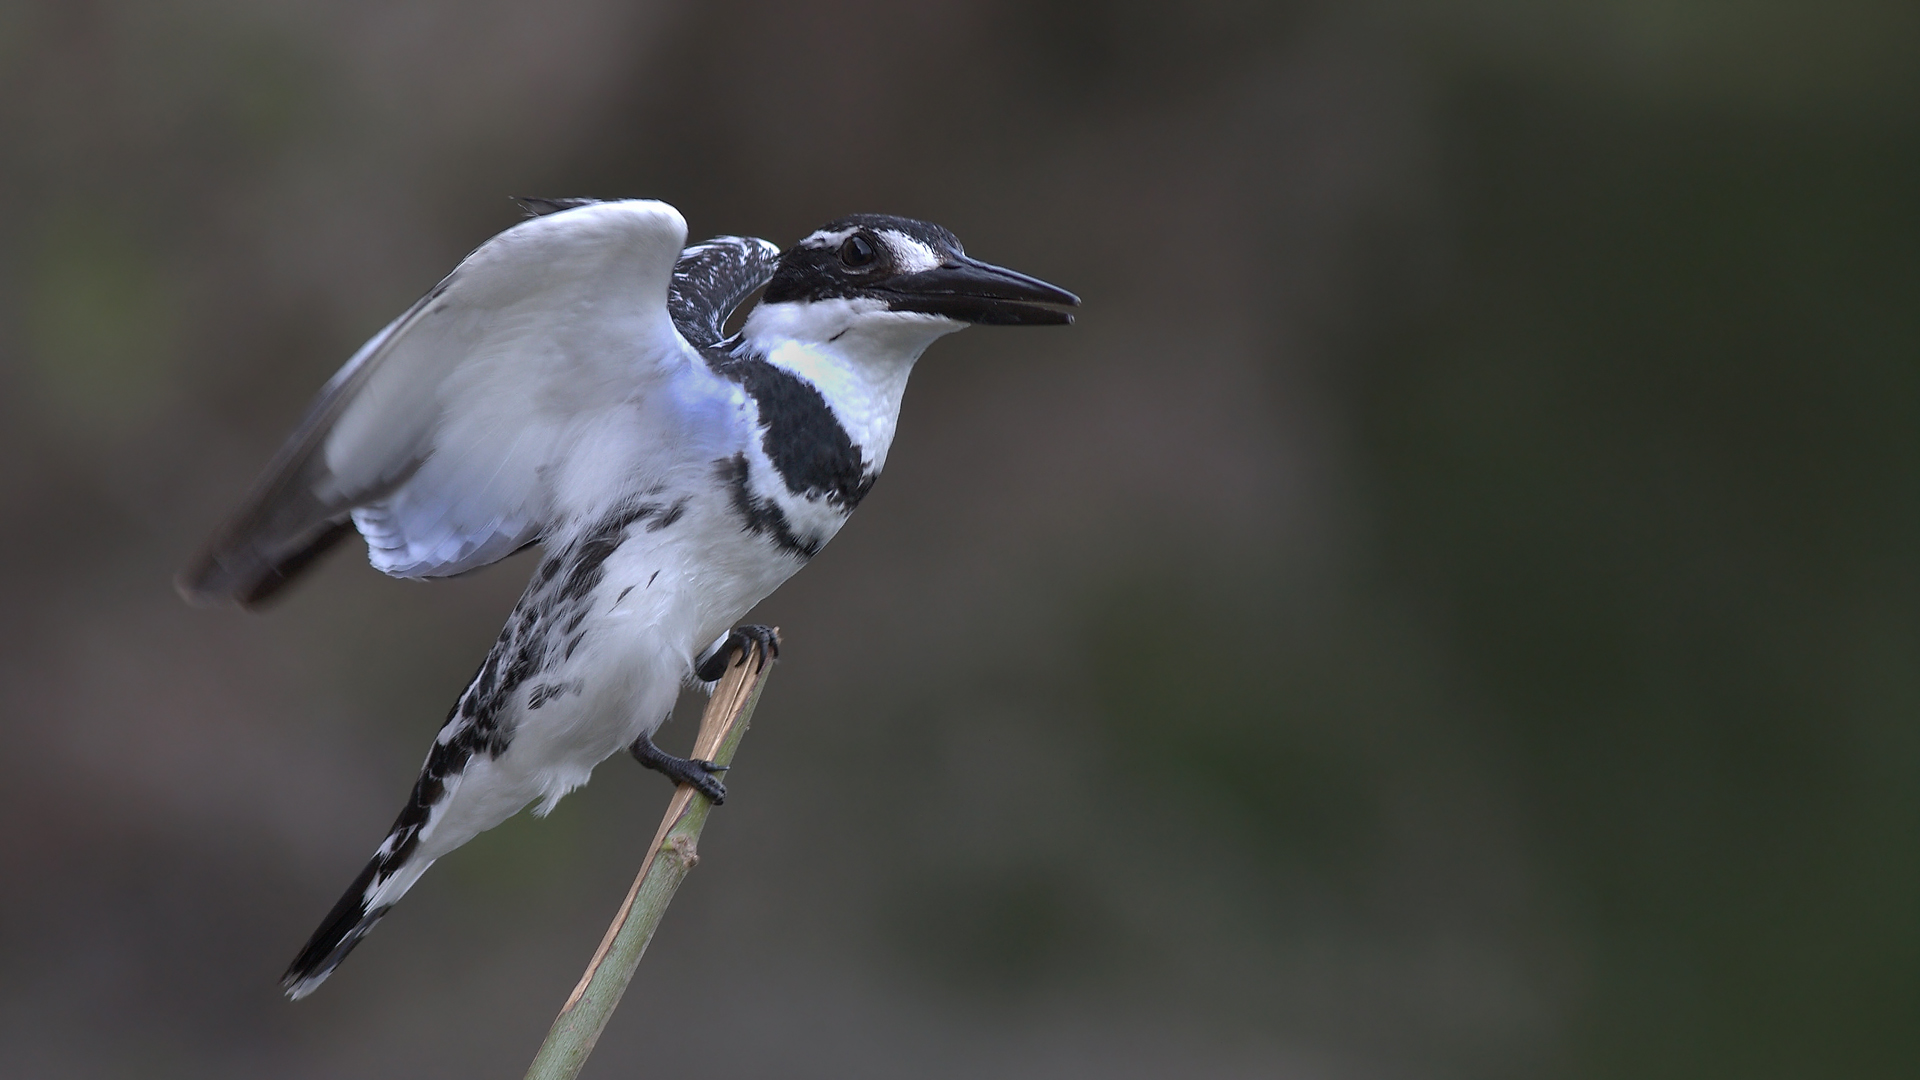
(711, 788)
(740, 641)
(764, 636)
(694, 771)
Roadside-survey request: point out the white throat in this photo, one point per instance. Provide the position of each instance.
(856, 352)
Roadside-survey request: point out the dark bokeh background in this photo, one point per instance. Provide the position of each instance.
(1449, 609)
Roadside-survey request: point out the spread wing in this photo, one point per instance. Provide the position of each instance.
(435, 437)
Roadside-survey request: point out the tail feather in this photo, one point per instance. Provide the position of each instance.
(342, 929)
(402, 858)
(382, 882)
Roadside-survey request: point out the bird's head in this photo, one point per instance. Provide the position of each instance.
(879, 273)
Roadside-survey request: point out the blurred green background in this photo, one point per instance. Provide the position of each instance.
(1450, 608)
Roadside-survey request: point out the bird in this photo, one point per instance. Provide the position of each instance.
(571, 385)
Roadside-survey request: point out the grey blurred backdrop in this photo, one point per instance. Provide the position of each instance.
(1449, 609)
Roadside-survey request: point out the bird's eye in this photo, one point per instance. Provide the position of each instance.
(857, 251)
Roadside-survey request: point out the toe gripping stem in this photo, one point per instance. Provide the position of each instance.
(694, 771)
(760, 642)
(739, 642)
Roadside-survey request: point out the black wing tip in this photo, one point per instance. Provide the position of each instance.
(230, 576)
(188, 583)
(535, 206)
(210, 583)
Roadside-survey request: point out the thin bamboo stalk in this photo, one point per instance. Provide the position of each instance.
(674, 852)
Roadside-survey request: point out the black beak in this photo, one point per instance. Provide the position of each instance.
(977, 292)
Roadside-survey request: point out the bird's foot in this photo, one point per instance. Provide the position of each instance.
(763, 641)
(680, 770)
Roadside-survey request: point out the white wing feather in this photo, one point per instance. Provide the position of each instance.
(437, 436)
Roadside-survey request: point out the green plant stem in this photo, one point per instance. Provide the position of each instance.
(674, 852)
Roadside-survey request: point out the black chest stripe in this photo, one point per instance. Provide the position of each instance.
(814, 455)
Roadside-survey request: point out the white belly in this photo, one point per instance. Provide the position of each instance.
(611, 660)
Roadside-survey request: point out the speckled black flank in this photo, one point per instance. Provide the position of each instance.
(551, 610)
(669, 516)
(760, 516)
(541, 693)
(585, 558)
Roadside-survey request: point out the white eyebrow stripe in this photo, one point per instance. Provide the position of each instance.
(824, 238)
(909, 254)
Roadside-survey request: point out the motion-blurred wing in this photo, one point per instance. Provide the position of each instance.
(436, 437)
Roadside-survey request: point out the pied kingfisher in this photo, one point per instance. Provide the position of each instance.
(571, 385)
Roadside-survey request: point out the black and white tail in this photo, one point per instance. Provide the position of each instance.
(387, 876)
(345, 925)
